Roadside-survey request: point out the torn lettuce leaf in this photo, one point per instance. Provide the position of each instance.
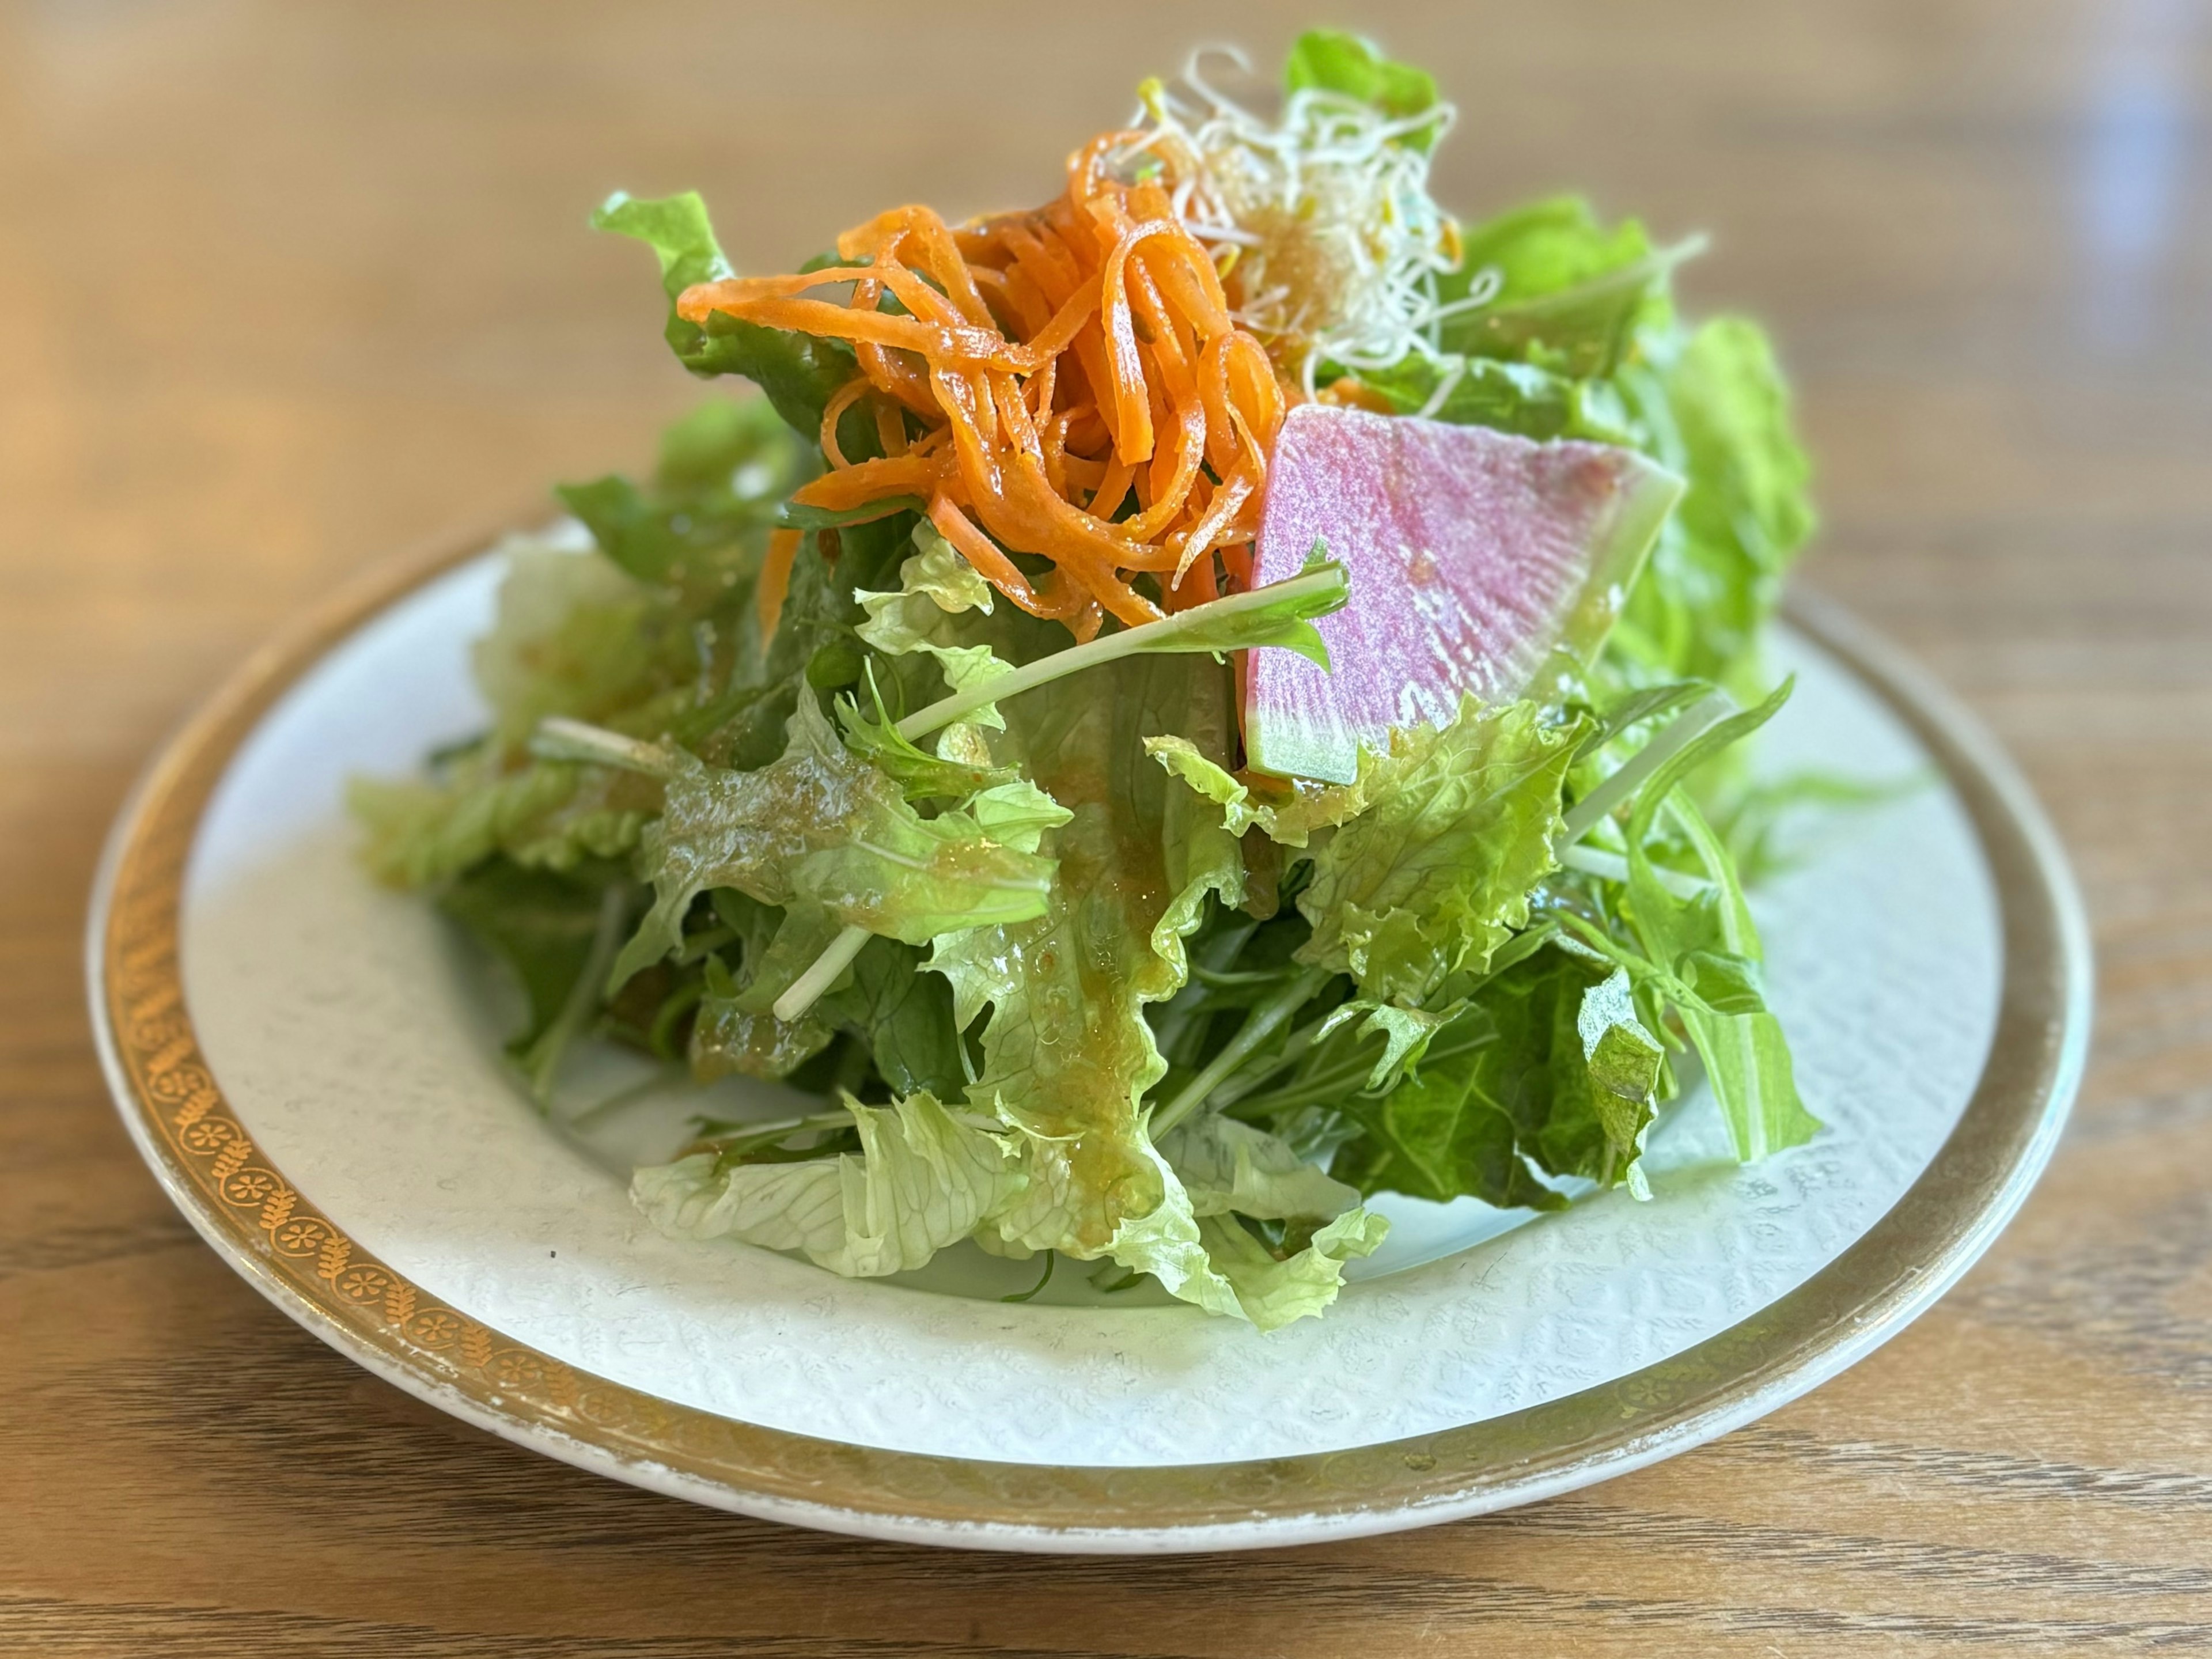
(798, 371)
(925, 1177)
(1292, 814)
(1434, 873)
(699, 528)
(935, 586)
(1225, 1165)
(1216, 1263)
(1716, 411)
(1273, 1292)
(548, 815)
(1512, 1086)
(1067, 1054)
(1353, 66)
(575, 635)
(821, 830)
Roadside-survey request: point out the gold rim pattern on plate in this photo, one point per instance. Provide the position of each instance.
(302, 1260)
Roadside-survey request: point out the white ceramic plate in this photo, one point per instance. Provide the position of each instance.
(310, 1066)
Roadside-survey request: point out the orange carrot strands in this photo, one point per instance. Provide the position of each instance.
(887, 374)
(833, 411)
(1243, 405)
(1026, 299)
(890, 428)
(820, 317)
(998, 294)
(1212, 525)
(775, 581)
(1039, 394)
(1112, 489)
(870, 481)
(1038, 368)
(891, 377)
(983, 553)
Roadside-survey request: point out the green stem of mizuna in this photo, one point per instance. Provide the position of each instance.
(1161, 635)
(1263, 1022)
(542, 1062)
(808, 988)
(559, 737)
(1586, 814)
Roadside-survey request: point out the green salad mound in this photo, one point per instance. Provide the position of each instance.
(1065, 978)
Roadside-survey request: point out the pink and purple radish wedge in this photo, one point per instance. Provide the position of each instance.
(1474, 555)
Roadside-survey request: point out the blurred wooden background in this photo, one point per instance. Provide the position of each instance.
(283, 289)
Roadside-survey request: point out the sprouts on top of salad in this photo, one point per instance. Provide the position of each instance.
(1170, 717)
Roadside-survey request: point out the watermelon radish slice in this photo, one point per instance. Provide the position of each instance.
(1474, 555)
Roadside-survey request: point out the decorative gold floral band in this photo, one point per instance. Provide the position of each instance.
(306, 1264)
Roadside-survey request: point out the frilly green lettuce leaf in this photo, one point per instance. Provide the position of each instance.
(1434, 873)
(1332, 60)
(1067, 1054)
(1225, 1165)
(575, 635)
(1214, 1262)
(1718, 411)
(798, 371)
(1292, 816)
(935, 586)
(547, 815)
(821, 830)
(1547, 1067)
(1273, 1292)
(925, 1177)
(1017, 814)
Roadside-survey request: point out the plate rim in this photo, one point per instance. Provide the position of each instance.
(281, 1244)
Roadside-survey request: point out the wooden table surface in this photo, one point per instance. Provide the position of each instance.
(285, 289)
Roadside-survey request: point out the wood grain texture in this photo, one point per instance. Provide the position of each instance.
(282, 289)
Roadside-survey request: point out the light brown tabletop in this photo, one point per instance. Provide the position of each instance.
(284, 289)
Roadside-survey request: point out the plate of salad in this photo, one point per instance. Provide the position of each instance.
(1177, 881)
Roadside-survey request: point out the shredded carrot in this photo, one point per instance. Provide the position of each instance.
(775, 581)
(1060, 362)
(833, 411)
